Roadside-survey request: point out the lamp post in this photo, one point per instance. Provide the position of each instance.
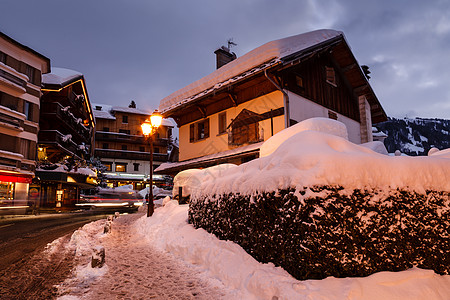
(149, 128)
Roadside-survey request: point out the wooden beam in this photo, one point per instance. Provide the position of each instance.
(233, 99)
(202, 110)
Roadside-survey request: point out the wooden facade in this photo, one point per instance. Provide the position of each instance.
(323, 80)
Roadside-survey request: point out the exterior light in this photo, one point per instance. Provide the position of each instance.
(149, 127)
(156, 119)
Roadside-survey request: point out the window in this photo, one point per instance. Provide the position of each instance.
(222, 122)
(106, 129)
(125, 119)
(156, 150)
(105, 146)
(27, 110)
(108, 166)
(2, 57)
(330, 76)
(136, 166)
(199, 131)
(124, 147)
(142, 149)
(332, 115)
(126, 131)
(299, 81)
(30, 73)
(121, 167)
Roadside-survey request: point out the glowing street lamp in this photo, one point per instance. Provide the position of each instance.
(149, 127)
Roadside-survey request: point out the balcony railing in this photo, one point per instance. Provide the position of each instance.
(58, 139)
(14, 79)
(55, 109)
(112, 153)
(11, 121)
(127, 138)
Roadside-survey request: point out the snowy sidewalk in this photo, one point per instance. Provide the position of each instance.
(135, 270)
(164, 257)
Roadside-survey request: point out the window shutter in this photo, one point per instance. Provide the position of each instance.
(206, 128)
(191, 133)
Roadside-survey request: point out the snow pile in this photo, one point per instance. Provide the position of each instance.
(441, 154)
(308, 158)
(376, 146)
(192, 179)
(315, 124)
(60, 76)
(169, 231)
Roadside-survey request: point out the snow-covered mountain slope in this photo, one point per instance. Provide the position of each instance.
(415, 136)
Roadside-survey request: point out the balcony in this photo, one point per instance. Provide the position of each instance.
(56, 138)
(16, 80)
(127, 138)
(134, 155)
(11, 119)
(77, 129)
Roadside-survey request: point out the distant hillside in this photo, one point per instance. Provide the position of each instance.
(415, 136)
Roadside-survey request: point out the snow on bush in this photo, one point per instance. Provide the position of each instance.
(192, 179)
(319, 205)
(308, 158)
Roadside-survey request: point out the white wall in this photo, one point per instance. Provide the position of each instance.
(219, 142)
(302, 109)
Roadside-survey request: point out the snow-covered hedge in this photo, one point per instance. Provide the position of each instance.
(319, 205)
(328, 231)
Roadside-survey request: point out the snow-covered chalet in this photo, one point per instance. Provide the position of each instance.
(225, 116)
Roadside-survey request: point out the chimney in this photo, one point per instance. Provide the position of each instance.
(224, 56)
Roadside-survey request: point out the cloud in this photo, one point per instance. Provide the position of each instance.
(145, 50)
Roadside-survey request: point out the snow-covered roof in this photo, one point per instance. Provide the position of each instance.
(131, 110)
(106, 113)
(272, 52)
(60, 76)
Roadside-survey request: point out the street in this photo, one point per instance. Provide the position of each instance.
(24, 271)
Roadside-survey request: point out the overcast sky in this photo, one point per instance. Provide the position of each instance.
(143, 50)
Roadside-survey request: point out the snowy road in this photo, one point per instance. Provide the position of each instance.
(136, 271)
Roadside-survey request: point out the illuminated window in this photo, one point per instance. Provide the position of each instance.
(108, 166)
(121, 167)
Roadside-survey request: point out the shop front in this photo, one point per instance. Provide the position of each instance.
(14, 192)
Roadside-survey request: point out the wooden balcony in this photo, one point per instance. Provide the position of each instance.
(54, 110)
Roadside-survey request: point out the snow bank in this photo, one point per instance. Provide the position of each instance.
(192, 179)
(297, 158)
(325, 125)
(169, 231)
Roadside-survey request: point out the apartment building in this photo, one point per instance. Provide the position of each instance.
(122, 148)
(21, 69)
